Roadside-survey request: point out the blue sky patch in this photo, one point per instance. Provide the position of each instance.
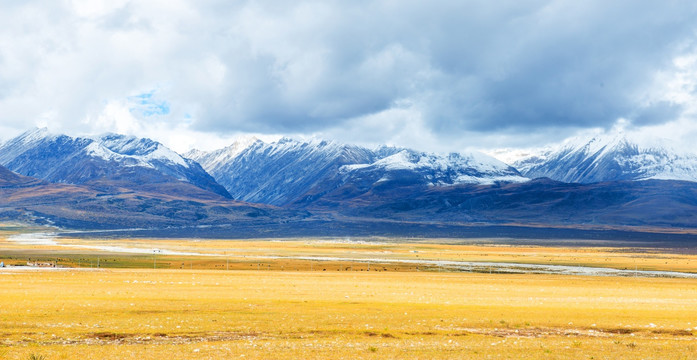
(147, 104)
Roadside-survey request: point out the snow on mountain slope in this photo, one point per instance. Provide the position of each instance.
(284, 171)
(145, 150)
(64, 159)
(214, 159)
(12, 148)
(610, 157)
(278, 172)
(443, 170)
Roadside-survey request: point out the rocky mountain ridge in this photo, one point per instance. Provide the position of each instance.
(610, 157)
(288, 170)
(126, 160)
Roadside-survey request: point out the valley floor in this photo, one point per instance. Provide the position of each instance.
(229, 301)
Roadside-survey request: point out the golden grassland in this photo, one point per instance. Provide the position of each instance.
(208, 314)
(193, 307)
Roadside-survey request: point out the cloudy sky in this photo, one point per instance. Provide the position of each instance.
(434, 75)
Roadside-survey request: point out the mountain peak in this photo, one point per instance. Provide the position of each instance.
(608, 157)
(15, 146)
(211, 159)
(128, 145)
(286, 170)
(127, 160)
(34, 134)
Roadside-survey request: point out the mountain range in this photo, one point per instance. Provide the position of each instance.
(290, 171)
(152, 206)
(108, 160)
(318, 187)
(609, 157)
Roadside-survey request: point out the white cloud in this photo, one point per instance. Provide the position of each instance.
(443, 76)
(96, 8)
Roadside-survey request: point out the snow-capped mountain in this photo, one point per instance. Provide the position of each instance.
(610, 157)
(278, 172)
(441, 170)
(116, 182)
(288, 170)
(217, 158)
(78, 160)
(408, 171)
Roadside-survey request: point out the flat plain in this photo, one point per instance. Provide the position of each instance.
(266, 300)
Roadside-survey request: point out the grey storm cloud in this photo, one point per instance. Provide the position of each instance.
(468, 65)
(305, 66)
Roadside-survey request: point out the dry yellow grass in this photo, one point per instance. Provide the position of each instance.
(278, 309)
(184, 314)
